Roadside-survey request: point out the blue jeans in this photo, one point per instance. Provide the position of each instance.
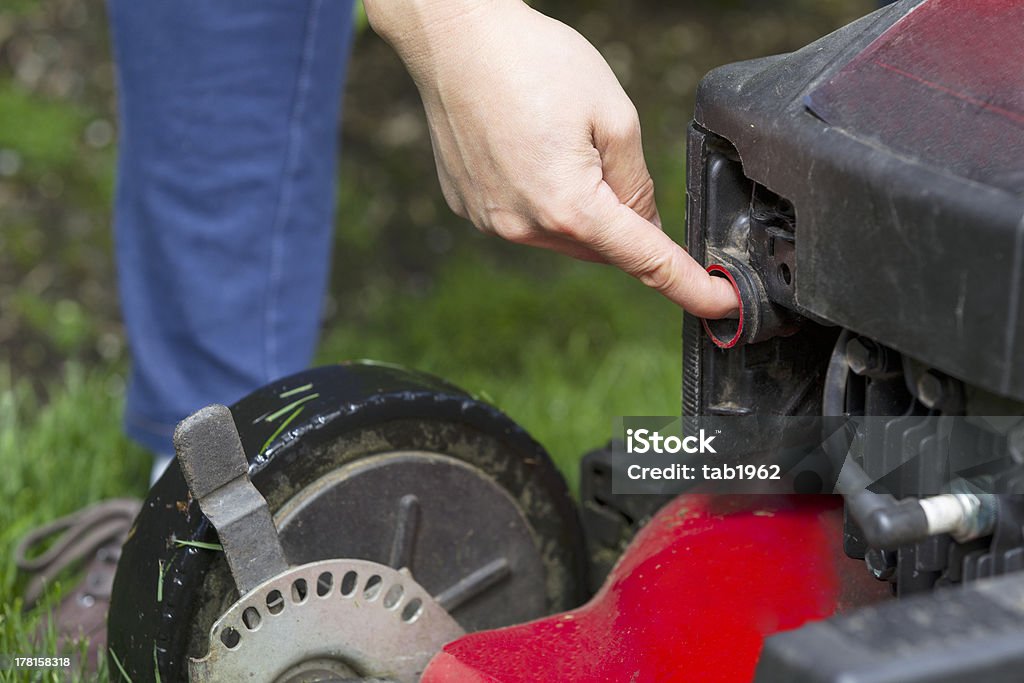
(225, 194)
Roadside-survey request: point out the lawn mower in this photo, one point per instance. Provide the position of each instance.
(865, 198)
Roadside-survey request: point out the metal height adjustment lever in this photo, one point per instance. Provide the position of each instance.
(213, 461)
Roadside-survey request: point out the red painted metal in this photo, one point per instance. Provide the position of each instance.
(944, 85)
(692, 599)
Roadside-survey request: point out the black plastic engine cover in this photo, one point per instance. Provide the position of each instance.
(974, 633)
(901, 230)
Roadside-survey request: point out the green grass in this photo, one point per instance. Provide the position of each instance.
(55, 457)
(51, 142)
(562, 352)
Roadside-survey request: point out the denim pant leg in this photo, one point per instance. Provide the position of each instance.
(228, 143)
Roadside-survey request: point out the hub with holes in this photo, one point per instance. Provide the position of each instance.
(340, 619)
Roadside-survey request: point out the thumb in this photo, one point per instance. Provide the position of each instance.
(634, 244)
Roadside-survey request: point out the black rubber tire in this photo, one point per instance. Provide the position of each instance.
(360, 409)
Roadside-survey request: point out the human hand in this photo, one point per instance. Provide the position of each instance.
(535, 141)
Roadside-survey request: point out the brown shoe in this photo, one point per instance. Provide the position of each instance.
(91, 537)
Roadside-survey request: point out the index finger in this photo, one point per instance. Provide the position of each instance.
(640, 248)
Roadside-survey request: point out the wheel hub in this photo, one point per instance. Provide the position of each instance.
(408, 510)
(335, 619)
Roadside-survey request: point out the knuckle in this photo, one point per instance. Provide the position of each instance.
(625, 123)
(656, 271)
(509, 226)
(562, 217)
(454, 201)
(642, 198)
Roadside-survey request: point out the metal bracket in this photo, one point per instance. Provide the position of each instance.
(213, 461)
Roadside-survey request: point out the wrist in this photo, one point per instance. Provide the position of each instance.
(418, 29)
